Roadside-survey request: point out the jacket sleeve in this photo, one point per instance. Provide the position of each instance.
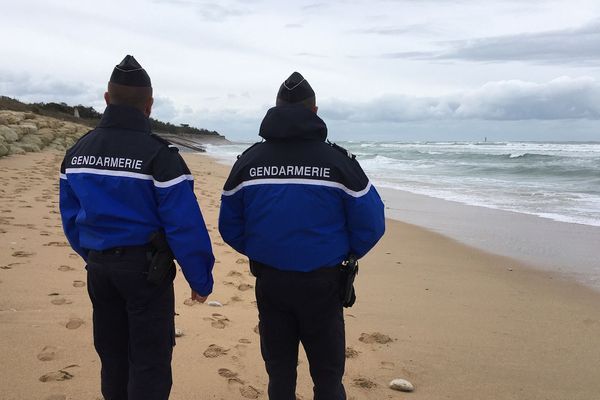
(231, 220)
(69, 209)
(182, 220)
(365, 220)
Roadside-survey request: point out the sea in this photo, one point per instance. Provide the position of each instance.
(536, 201)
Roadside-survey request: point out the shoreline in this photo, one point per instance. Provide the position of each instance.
(462, 323)
(568, 249)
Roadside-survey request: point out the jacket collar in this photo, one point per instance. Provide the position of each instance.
(124, 117)
(292, 121)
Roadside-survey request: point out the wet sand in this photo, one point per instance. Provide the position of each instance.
(457, 322)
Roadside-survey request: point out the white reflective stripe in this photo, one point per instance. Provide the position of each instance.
(297, 181)
(109, 172)
(174, 181)
(63, 176)
(127, 174)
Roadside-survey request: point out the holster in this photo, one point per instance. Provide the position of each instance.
(349, 270)
(161, 258)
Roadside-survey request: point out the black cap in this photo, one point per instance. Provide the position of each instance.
(130, 73)
(295, 89)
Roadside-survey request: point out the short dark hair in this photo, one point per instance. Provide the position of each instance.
(135, 96)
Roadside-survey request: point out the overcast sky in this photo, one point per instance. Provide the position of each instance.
(402, 70)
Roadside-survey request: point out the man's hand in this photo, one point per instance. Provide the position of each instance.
(197, 297)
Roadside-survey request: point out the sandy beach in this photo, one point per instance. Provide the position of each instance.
(457, 322)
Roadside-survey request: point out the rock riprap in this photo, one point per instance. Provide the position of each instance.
(22, 132)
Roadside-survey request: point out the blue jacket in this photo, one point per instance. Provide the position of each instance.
(120, 184)
(296, 202)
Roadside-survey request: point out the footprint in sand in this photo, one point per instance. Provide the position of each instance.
(74, 323)
(191, 302)
(250, 392)
(22, 254)
(57, 244)
(60, 301)
(364, 383)
(228, 283)
(236, 299)
(234, 273)
(48, 353)
(375, 337)
(387, 365)
(241, 261)
(214, 351)
(351, 353)
(56, 397)
(244, 341)
(219, 321)
(60, 375)
(78, 283)
(232, 377)
(256, 330)
(65, 268)
(244, 286)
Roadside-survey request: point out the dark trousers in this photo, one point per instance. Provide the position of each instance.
(134, 331)
(296, 307)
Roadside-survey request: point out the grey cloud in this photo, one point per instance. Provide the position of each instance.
(164, 109)
(397, 31)
(560, 99)
(211, 11)
(28, 88)
(568, 46)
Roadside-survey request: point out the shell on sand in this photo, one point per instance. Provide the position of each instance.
(214, 303)
(402, 385)
(178, 332)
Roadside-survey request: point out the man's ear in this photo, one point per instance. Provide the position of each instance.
(107, 98)
(148, 108)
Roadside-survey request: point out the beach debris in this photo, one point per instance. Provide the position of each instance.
(510, 269)
(178, 332)
(256, 330)
(214, 351)
(374, 337)
(48, 353)
(364, 383)
(402, 385)
(249, 392)
(74, 323)
(214, 303)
